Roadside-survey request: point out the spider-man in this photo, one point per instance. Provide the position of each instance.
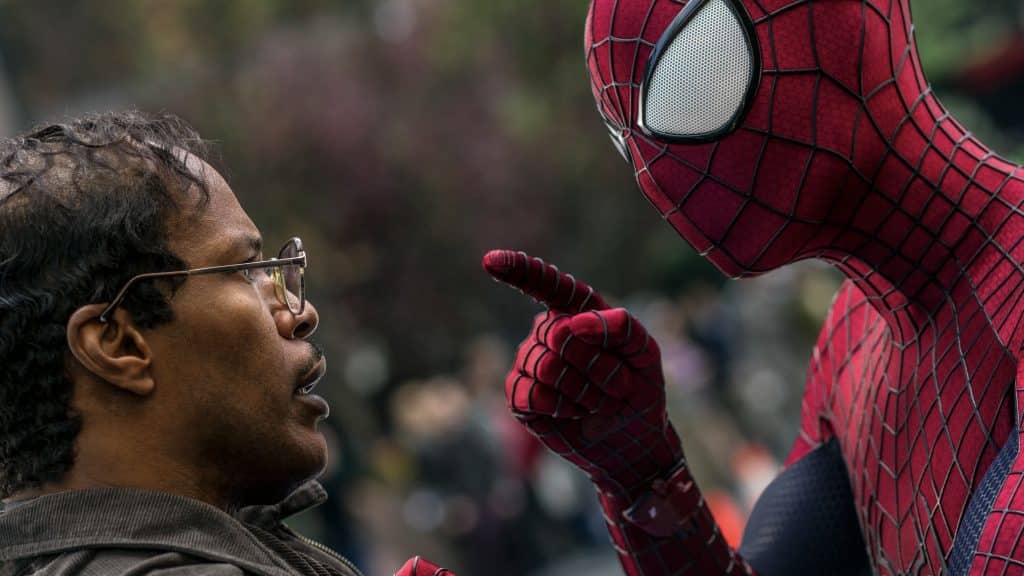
(765, 132)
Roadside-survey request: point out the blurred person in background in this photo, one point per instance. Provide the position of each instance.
(156, 406)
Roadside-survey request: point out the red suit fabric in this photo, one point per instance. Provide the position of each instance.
(846, 155)
(417, 566)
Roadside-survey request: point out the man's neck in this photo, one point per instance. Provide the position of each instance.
(79, 480)
(99, 464)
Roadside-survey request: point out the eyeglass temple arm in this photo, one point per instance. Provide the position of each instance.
(134, 280)
(196, 272)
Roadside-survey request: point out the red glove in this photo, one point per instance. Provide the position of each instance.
(588, 383)
(419, 567)
(588, 380)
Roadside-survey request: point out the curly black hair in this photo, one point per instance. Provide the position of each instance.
(83, 208)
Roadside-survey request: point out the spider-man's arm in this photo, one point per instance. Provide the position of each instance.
(805, 522)
(588, 383)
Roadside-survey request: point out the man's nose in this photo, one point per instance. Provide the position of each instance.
(297, 326)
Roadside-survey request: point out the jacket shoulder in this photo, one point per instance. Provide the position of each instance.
(121, 562)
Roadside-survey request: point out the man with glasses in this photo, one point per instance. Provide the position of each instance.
(157, 413)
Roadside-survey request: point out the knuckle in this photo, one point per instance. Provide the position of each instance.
(558, 333)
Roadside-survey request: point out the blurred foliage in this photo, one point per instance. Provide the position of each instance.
(951, 33)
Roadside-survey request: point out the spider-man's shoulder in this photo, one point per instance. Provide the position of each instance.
(851, 321)
(849, 335)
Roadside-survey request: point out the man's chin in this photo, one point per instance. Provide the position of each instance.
(304, 461)
(310, 456)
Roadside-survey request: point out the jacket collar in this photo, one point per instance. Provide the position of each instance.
(130, 517)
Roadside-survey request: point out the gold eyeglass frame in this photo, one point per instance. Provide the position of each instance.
(274, 265)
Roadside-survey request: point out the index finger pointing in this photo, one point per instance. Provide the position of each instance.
(542, 281)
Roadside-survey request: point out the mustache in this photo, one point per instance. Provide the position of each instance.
(316, 354)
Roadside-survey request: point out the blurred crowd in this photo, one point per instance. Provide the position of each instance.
(404, 138)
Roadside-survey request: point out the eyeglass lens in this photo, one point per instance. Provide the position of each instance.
(292, 276)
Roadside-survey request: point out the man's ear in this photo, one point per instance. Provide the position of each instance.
(115, 351)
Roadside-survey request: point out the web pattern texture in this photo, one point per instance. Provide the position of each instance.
(846, 155)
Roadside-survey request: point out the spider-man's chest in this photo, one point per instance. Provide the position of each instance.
(918, 423)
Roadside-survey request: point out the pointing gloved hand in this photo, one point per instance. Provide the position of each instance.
(587, 380)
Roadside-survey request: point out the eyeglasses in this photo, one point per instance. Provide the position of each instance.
(288, 272)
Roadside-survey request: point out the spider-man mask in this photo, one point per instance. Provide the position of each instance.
(756, 127)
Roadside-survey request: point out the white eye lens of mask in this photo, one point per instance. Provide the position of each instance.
(703, 77)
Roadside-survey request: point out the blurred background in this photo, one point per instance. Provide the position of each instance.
(404, 138)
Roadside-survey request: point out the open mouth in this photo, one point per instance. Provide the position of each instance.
(310, 382)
